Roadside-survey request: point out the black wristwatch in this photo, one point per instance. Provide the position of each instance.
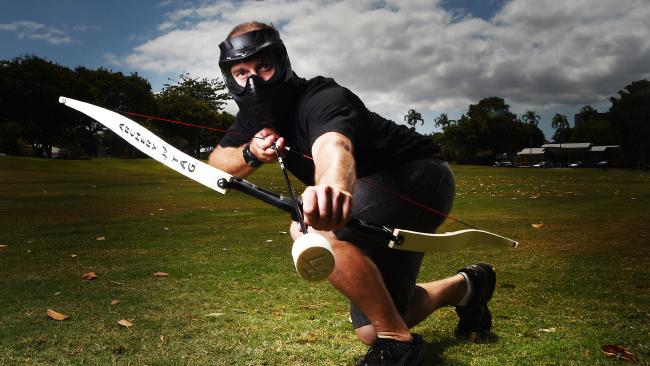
(250, 158)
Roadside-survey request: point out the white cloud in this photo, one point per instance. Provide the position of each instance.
(401, 54)
(37, 31)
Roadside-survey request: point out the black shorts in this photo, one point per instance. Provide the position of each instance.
(379, 198)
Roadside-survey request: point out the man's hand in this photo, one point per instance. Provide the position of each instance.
(325, 207)
(263, 145)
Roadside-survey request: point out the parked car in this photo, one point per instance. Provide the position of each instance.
(503, 163)
(543, 164)
(575, 164)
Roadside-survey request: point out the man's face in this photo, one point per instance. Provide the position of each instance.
(260, 65)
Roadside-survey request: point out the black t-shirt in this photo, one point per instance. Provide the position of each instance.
(320, 105)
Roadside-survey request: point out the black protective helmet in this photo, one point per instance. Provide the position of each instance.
(257, 95)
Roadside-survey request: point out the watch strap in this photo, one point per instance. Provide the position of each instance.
(250, 158)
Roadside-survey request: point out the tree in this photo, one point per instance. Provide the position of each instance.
(562, 130)
(588, 112)
(630, 118)
(193, 100)
(210, 91)
(531, 117)
(112, 90)
(559, 121)
(487, 129)
(29, 94)
(412, 117)
(442, 121)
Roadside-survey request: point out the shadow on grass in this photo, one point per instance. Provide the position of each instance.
(435, 350)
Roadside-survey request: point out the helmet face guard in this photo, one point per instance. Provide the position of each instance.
(256, 96)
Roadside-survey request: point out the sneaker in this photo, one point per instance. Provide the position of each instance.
(475, 317)
(391, 352)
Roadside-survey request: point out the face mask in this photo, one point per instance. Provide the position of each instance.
(256, 97)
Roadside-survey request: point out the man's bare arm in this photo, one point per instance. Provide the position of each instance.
(334, 161)
(231, 159)
(327, 205)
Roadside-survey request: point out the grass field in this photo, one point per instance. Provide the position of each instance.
(579, 282)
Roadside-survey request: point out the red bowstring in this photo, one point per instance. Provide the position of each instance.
(396, 194)
(207, 128)
(175, 121)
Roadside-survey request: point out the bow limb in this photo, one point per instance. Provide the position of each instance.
(152, 145)
(454, 240)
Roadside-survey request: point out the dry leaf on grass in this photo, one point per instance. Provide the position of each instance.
(619, 352)
(214, 315)
(160, 274)
(537, 226)
(56, 315)
(76, 351)
(89, 276)
(115, 302)
(548, 330)
(3, 246)
(125, 323)
(101, 238)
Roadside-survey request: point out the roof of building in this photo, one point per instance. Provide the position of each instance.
(603, 148)
(574, 145)
(531, 151)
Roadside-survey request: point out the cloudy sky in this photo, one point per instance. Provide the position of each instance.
(435, 56)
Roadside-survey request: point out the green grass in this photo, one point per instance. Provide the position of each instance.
(584, 273)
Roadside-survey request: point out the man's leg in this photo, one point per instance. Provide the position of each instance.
(358, 279)
(471, 304)
(429, 297)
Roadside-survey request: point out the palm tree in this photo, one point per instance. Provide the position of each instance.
(531, 117)
(442, 121)
(561, 125)
(559, 121)
(412, 117)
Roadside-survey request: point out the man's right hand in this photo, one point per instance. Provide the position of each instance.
(326, 208)
(263, 145)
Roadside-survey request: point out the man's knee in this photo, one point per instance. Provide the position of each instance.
(366, 334)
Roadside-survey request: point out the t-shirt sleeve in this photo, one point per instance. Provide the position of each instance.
(238, 134)
(334, 109)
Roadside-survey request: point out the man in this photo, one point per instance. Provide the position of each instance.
(363, 166)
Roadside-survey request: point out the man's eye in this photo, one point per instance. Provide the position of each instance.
(265, 66)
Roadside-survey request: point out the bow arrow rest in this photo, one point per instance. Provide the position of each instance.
(220, 181)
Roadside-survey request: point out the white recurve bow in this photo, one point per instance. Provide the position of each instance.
(150, 144)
